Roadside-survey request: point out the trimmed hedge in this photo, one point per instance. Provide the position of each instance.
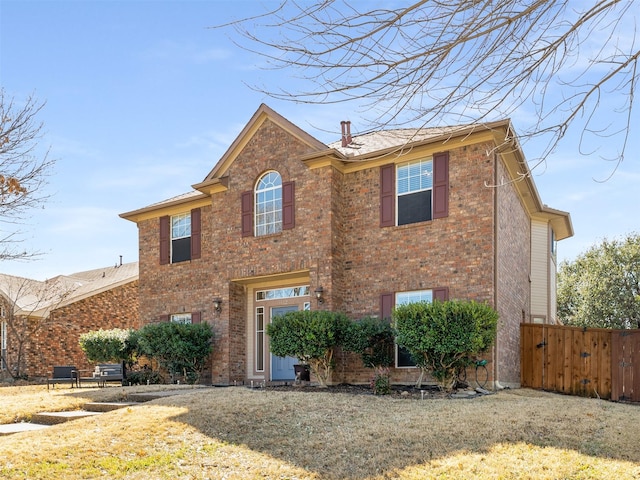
(310, 336)
(442, 336)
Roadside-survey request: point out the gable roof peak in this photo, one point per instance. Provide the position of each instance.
(263, 113)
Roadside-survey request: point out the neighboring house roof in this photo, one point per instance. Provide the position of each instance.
(37, 298)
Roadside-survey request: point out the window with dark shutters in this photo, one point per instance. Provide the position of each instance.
(415, 204)
(186, 246)
(247, 213)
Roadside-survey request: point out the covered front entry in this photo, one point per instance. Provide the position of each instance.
(268, 303)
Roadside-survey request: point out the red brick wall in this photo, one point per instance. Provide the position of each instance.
(513, 289)
(337, 239)
(227, 256)
(56, 343)
(455, 252)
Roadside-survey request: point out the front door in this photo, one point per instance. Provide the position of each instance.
(282, 367)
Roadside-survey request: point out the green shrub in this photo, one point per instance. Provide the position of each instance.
(180, 348)
(102, 346)
(310, 336)
(441, 336)
(373, 339)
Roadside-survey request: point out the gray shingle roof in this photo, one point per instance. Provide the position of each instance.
(388, 139)
(37, 298)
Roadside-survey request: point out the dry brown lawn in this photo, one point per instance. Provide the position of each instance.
(237, 433)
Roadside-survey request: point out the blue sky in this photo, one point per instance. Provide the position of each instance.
(142, 99)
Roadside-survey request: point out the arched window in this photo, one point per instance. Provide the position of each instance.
(268, 204)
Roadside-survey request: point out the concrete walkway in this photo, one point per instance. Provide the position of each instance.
(43, 420)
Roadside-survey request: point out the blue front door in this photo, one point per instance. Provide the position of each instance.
(282, 367)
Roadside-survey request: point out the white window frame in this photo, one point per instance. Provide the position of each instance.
(180, 318)
(418, 178)
(268, 204)
(180, 228)
(261, 328)
(286, 292)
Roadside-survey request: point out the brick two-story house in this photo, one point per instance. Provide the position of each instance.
(284, 221)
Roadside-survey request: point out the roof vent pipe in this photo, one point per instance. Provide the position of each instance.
(345, 126)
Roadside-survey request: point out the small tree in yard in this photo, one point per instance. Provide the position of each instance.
(373, 339)
(310, 336)
(441, 336)
(180, 348)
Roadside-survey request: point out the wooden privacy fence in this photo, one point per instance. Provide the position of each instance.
(591, 362)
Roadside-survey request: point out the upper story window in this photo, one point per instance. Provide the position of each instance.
(180, 237)
(415, 191)
(414, 182)
(268, 207)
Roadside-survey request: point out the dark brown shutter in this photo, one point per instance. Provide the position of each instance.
(196, 317)
(164, 318)
(164, 240)
(441, 294)
(288, 205)
(247, 213)
(386, 305)
(196, 235)
(441, 185)
(388, 195)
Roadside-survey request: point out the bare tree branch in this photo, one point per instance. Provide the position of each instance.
(461, 61)
(22, 174)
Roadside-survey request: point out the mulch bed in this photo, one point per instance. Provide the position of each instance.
(397, 391)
